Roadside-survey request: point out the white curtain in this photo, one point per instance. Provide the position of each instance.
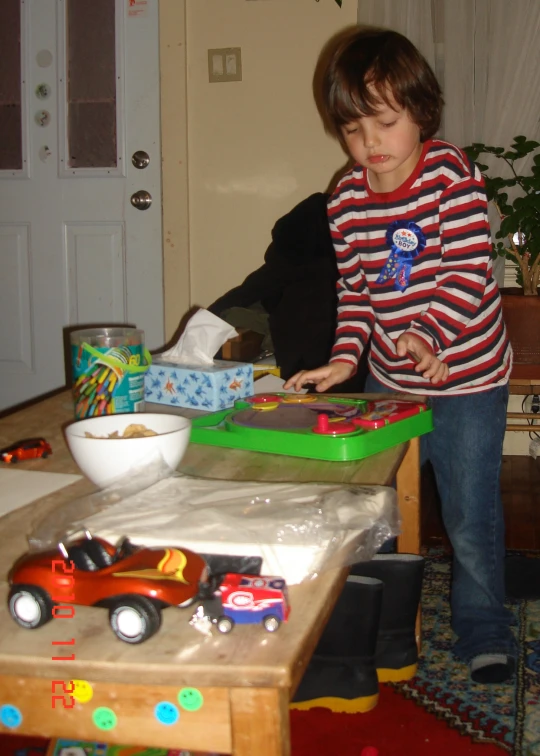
(412, 18)
(486, 54)
(491, 65)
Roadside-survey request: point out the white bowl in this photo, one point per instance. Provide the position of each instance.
(105, 460)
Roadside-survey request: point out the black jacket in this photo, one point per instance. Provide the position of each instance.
(297, 287)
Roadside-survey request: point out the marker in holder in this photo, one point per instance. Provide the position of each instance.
(108, 371)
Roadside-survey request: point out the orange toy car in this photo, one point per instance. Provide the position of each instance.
(135, 583)
(30, 448)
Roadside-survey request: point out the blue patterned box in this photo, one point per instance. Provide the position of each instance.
(213, 387)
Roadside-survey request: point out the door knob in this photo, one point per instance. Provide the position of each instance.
(140, 159)
(141, 200)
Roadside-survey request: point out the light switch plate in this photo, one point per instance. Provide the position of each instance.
(224, 64)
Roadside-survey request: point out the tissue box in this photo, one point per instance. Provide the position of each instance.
(209, 387)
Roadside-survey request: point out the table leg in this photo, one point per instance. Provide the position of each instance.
(260, 722)
(408, 493)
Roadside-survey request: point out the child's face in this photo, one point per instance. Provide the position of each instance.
(387, 144)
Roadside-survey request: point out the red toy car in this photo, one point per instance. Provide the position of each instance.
(30, 448)
(133, 582)
(246, 599)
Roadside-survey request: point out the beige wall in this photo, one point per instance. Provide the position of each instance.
(174, 150)
(253, 148)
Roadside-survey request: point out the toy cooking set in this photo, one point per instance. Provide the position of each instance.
(324, 427)
(108, 365)
(187, 374)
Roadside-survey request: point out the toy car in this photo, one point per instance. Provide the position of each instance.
(244, 599)
(30, 448)
(135, 583)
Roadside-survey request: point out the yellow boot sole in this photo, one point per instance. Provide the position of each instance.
(396, 675)
(339, 705)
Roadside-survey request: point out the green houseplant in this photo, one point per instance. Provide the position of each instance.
(518, 238)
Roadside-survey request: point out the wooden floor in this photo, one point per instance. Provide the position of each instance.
(520, 482)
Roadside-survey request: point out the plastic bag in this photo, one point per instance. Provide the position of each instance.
(294, 531)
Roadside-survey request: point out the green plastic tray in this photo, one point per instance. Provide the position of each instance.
(216, 429)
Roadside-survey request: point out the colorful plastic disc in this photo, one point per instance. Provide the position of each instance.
(265, 407)
(334, 426)
(261, 398)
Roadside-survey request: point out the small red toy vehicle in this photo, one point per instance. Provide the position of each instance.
(133, 582)
(246, 599)
(30, 448)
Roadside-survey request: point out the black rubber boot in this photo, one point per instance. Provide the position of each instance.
(396, 656)
(341, 675)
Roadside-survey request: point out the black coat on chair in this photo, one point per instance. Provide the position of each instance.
(297, 287)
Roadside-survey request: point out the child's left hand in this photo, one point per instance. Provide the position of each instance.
(431, 368)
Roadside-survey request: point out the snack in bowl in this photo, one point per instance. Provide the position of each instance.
(106, 449)
(134, 430)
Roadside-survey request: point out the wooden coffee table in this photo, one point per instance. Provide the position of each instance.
(245, 679)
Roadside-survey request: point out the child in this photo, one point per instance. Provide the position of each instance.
(410, 230)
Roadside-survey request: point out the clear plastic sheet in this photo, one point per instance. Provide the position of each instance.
(292, 530)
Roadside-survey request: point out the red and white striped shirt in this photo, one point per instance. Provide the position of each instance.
(451, 302)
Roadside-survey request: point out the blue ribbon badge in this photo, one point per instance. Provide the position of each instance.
(406, 240)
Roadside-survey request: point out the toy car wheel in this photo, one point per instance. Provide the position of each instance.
(271, 623)
(29, 606)
(134, 619)
(225, 625)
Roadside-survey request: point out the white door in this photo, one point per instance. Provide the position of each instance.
(79, 110)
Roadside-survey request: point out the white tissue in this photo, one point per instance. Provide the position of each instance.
(203, 336)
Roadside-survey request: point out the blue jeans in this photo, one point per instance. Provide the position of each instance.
(465, 449)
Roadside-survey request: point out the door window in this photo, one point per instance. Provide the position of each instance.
(90, 88)
(91, 84)
(11, 112)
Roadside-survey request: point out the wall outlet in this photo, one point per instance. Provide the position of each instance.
(224, 64)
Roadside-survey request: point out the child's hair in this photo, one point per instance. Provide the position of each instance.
(373, 65)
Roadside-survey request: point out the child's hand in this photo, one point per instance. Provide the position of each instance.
(427, 364)
(324, 377)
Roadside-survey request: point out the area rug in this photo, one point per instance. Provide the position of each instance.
(439, 712)
(505, 715)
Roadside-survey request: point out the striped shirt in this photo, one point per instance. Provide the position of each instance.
(451, 302)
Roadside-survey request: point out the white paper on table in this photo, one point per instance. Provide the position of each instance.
(20, 487)
(271, 383)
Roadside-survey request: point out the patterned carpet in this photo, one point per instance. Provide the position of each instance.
(505, 715)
